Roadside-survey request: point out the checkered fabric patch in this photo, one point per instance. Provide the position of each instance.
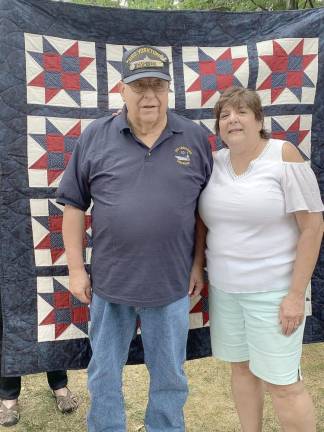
(199, 316)
(293, 128)
(60, 315)
(47, 217)
(60, 72)
(50, 142)
(209, 126)
(208, 71)
(288, 71)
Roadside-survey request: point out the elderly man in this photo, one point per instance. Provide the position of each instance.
(144, 171)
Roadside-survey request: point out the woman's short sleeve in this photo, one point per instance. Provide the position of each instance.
(300, 188)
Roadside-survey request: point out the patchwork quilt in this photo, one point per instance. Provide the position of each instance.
(60, 68)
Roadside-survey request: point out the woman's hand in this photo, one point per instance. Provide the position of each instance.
(291, 313)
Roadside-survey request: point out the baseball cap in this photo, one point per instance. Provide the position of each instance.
(145, 61)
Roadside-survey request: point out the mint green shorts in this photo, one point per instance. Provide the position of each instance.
(245, 327)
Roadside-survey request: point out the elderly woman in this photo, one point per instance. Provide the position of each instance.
(262, 208)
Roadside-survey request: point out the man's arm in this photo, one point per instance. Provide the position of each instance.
(196, 283)
(73, 233)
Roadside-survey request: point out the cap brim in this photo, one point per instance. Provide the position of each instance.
(148, 74)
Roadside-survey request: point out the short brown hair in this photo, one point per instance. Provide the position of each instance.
(234, 96)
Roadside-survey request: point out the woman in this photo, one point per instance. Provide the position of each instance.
(262, 208)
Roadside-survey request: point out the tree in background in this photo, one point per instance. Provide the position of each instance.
(248, 5)
(225, 5)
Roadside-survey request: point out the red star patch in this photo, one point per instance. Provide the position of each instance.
(218, 72)
(200, 306)
(278, 63)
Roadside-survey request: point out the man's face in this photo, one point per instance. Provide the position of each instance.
(146, 100)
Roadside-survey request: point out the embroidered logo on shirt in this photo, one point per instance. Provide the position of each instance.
(182, 155)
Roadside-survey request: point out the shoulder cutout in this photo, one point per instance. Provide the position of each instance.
(290, 153)
(219, 154)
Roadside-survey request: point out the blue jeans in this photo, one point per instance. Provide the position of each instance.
(164, 334)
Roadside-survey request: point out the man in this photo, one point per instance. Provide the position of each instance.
(144, 171)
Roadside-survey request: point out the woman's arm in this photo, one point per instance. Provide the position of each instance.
(310, 225)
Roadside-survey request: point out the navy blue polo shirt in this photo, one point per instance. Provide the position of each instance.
(144, 206)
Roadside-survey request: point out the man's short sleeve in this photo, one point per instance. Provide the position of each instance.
(74, 187)
(208, 158)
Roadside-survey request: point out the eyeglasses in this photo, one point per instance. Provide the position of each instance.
(158, 86)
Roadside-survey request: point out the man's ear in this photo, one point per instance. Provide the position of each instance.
(121, 88)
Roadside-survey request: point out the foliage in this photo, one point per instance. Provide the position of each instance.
(107, 3)
(227, 5)
(153, 4)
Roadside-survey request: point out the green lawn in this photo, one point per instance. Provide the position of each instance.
(209, 407)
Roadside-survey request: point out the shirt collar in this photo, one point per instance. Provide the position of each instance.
(123, 124)
(173, 123)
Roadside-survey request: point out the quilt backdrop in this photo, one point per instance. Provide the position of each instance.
(60, 67)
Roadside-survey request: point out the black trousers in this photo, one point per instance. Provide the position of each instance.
(10, 386)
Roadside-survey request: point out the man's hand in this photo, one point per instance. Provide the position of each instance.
(196, 282)
(114, 114)
(79, 285)
(291, 313)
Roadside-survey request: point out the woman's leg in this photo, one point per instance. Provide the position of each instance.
(66, 401)
(10, 388)
(248, 395)
(57, 379)
(9, 393)
(293, 406)
(229, 342)
(275, 358)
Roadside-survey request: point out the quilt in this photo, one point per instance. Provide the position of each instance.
(60, 68)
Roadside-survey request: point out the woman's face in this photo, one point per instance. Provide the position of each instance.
(238, 125)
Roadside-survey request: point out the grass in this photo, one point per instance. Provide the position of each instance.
(209, 407)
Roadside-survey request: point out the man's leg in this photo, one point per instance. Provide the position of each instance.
(111, 331)
(164, 334)
(9, 393)
(66, 401)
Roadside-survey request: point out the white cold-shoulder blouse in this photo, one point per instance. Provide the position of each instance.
(252, 230)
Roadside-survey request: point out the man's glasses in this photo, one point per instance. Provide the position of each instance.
(158, 86)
